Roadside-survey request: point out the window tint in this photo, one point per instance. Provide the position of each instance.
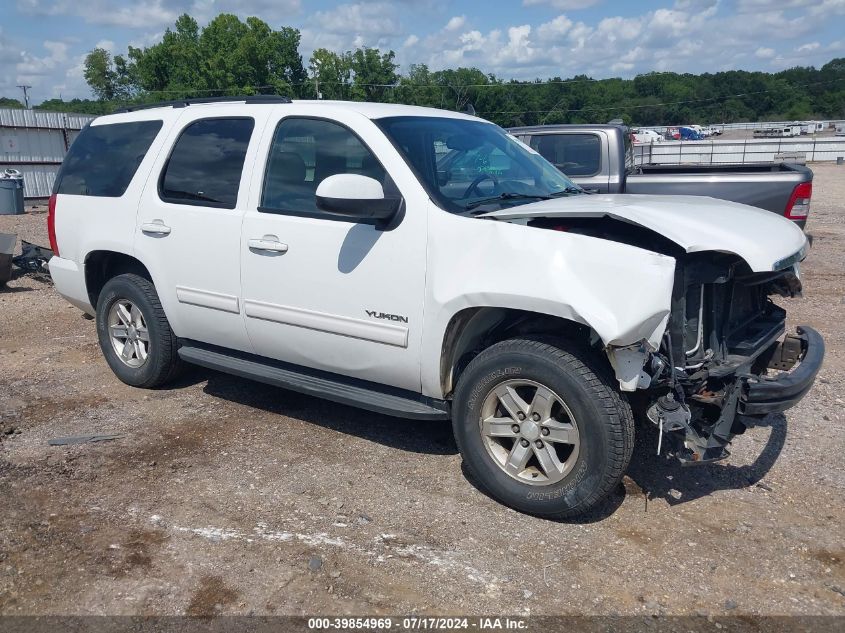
(104, 158)
(573, 154)
(206, 163)
(303, 154)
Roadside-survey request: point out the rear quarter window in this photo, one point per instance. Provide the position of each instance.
(104, 158)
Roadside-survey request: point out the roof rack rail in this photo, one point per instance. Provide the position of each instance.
(182, 103)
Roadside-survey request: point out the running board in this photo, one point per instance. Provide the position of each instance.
(347, 391)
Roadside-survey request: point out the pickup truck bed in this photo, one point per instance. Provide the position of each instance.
(600, 159)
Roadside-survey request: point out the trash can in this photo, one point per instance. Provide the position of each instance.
(11, 192)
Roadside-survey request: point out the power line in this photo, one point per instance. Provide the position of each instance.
(508, 85)
(500, 84)
(666, 103)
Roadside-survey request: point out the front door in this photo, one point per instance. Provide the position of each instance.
(328, 294)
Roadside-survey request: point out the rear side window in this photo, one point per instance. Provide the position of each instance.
(104, 158)
(573, 154)
(206, 163)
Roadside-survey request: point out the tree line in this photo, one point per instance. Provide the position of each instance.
(233, 57)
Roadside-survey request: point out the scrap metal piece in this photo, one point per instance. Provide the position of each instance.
(82, 439)
(7, 248)
(33, 258)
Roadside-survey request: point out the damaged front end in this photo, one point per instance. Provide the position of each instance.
(725, 361)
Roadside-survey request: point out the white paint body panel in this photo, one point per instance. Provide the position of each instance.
(315, 300)
(318, 292)
(696, 223)
(196, 266)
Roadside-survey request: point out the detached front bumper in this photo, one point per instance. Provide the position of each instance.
(781, 392)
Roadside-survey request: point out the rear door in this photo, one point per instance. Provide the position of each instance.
(579, 155)
(189, 221)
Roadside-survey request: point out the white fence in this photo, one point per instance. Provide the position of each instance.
(750, 151)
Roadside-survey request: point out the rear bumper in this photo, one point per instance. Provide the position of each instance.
(772, 395)
(69, 279)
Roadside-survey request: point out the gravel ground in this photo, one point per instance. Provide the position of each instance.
(229, 497)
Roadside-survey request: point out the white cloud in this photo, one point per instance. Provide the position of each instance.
(373, 19)
(679, 35)
(348, 26)
(555, 29)
(562, 5)
(455, 23)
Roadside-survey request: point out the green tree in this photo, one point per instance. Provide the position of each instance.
(6, 102)
(330, 75)
(374, 73)
(108, 78)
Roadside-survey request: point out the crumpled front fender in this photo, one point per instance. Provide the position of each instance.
(620, 291)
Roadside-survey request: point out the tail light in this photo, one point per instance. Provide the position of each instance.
(51, 225)
(798, 207)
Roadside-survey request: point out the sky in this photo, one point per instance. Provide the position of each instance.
(43, 42)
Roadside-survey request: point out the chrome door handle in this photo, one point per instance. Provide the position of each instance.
(156, 227)
(268, 243)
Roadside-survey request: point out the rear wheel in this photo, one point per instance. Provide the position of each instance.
(134, 333)
(542, 429)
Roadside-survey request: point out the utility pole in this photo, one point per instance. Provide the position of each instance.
(25, 95)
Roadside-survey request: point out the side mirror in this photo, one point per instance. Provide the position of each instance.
(356, 198)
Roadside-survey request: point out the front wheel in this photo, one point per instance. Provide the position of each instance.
(541, 429)
(134, 333)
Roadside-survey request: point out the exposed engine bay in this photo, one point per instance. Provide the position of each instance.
(716, 371)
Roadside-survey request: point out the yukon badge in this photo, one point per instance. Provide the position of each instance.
(389, 317)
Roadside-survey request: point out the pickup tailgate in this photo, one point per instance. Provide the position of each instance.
(781, 188)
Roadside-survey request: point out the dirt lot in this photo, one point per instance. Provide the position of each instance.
(223, 496)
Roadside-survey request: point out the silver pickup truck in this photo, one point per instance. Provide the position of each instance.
(600, 159)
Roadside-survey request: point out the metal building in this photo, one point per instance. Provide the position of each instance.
(35, 143)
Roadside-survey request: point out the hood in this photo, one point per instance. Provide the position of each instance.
(765, 240)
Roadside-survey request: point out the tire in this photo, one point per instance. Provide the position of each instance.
(590, 427)
(156, 361)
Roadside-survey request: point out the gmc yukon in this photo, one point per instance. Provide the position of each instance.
(326, 248)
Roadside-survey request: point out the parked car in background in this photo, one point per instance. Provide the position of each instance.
(689, 134)
(781, 131)
(645, 136)
(600, 158)
(426, 264)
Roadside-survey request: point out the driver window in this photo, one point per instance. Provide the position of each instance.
(305, 152)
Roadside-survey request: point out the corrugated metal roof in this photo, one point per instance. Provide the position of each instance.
(12, 117)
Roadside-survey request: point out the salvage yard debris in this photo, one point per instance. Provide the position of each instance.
(33, 258)
(7, 249)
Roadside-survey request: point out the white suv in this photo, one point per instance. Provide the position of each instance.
(426, 264)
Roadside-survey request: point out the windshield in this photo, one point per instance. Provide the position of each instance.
(472, 166)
